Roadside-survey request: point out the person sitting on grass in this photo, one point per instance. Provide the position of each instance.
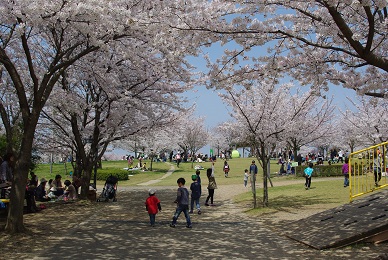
(40, 192)
(144, 167)
(57, 184)
(70, 191)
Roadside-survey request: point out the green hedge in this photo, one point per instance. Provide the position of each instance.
(122, 175)
(321, 170)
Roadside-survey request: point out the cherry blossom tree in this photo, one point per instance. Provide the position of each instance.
(227, 135)
(156, 141)
(366, 123)
(37, 46)
(144, 98)
(317, 124)
(263, 113)
(315, 42)
(40, 40)
(10, 112)
(191, 135)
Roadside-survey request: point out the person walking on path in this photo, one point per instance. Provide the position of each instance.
(211, 186)
(178, 159)
(195, 188)
(152, 206)
(226, 169)
(308, 173)
(246, 177)
(182, 201)
(345, 172)
(198, 172)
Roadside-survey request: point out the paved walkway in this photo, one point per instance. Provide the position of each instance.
(120, 230)
(152, 182)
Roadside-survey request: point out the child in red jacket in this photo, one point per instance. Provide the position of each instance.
(152, 206)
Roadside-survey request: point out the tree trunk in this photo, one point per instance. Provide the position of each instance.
(87, 173)
(16, 206)
(295, 149)
(269, 171)
(15, 212)
(253, 185)
(152, 159)
(264, 166)
(265, 184)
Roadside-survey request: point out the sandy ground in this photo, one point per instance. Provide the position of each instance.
(53, 232)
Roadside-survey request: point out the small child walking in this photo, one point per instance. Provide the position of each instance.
(308, 173)
(182, 201)
(345, 172)
(198, 172)
(226, 169)
(246, 177)
(195, 188)
(152, 206)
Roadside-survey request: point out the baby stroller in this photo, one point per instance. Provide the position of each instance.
(109, 190)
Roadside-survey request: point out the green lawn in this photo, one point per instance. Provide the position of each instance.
(323, 191)
(49, 171)
(237, 167)
(185, 170)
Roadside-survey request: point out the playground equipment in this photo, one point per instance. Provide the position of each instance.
(368, 170)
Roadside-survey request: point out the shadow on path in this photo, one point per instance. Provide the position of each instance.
(120, 230)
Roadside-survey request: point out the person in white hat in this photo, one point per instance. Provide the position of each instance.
(152, 206)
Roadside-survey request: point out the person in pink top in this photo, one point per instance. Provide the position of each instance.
(345, 172)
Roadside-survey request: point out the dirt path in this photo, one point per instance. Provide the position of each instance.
(120, 230)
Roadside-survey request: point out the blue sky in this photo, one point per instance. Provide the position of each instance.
(209, 104)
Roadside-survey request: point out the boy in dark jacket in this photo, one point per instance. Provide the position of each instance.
(182, 201)
(195, 188)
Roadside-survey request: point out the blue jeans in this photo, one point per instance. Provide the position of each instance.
(179, 209)
(346, 181)
(308, 181)
(152, 219)
(196, 203)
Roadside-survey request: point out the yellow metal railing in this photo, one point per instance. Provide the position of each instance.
(368, 170)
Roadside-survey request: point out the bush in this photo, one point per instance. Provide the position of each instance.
(321, 170)
(102, 174)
